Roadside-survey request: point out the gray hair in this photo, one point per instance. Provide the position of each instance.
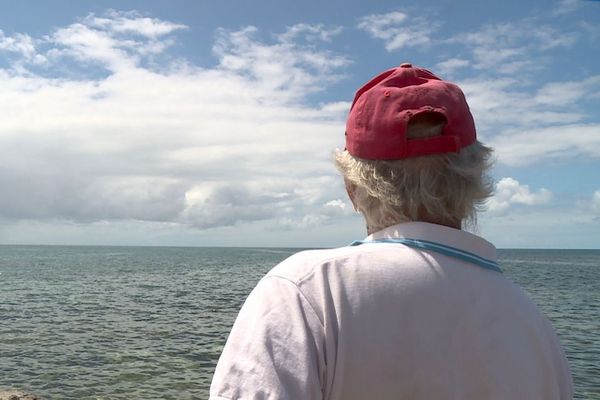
(445, 187)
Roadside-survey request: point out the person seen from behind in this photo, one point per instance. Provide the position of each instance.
(417, 310)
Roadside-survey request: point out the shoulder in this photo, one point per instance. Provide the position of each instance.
(299, 266)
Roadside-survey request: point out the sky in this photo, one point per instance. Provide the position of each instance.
(213, 123)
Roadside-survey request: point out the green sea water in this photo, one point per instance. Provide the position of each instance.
(150, 322)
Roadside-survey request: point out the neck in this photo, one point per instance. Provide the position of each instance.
(451, 224)
(456, 224)
(424, 216)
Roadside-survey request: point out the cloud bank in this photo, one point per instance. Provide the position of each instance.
(134, 139)
(103, 125)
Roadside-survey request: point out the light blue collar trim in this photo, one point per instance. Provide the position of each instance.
(438, 248)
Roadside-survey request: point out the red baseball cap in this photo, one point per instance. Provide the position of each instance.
(378, 120)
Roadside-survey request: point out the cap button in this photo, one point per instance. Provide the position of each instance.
(406, 65)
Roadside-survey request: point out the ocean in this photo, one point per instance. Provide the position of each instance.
(150, 322)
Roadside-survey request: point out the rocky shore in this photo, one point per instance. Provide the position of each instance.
(13, 394)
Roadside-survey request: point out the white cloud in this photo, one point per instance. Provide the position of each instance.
(527, 128)
(500, 48)
(284, 68)
(550, 38)
(285, 202)
(566, 6)
(18, 43)
(450, 65)
(338, 108)
(561, 142)
(175, 145)
(331, 212)
(23, 46)
(119, 40)
(87, 44)
(575, 223)
(561, 94)
(336, 208)
(229, 205)
(202, 147)
(502, 103)
(132, 23)
(309, 32)
(398, 30)
(510, 192)
(506, 48)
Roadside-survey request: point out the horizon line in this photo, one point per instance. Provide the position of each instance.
(248, 247)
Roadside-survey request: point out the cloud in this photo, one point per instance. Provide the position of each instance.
(285, 202)
(501, 103)
(505, 48)
(22, 46)
(510, 192)
(117, 41)
(284, 68)
(174, 143)
(102, 124)
(500, 48)
(592, 30)
(230, 205)
(309, 32)
(566, 7)
(541, 227)
(18, 43)
(561, 94)
(331, 212)
(450, 65)
(398, 30)
(132, 22)
(528, 127)
(561, 142)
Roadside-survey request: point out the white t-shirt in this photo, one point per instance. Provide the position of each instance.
(387, 321)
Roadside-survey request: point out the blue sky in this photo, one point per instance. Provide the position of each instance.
(190, 123)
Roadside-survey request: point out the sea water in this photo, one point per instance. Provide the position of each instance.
(150, 322)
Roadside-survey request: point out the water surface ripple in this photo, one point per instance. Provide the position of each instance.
(139, 322)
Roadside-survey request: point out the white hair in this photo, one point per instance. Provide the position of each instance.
(443, 187)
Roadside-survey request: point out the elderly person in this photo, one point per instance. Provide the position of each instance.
(417, 310)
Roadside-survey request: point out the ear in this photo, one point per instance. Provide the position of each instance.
(351, 190)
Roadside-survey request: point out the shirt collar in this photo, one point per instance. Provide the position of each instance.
(440, 234)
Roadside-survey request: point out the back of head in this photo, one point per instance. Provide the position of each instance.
(411, 152)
